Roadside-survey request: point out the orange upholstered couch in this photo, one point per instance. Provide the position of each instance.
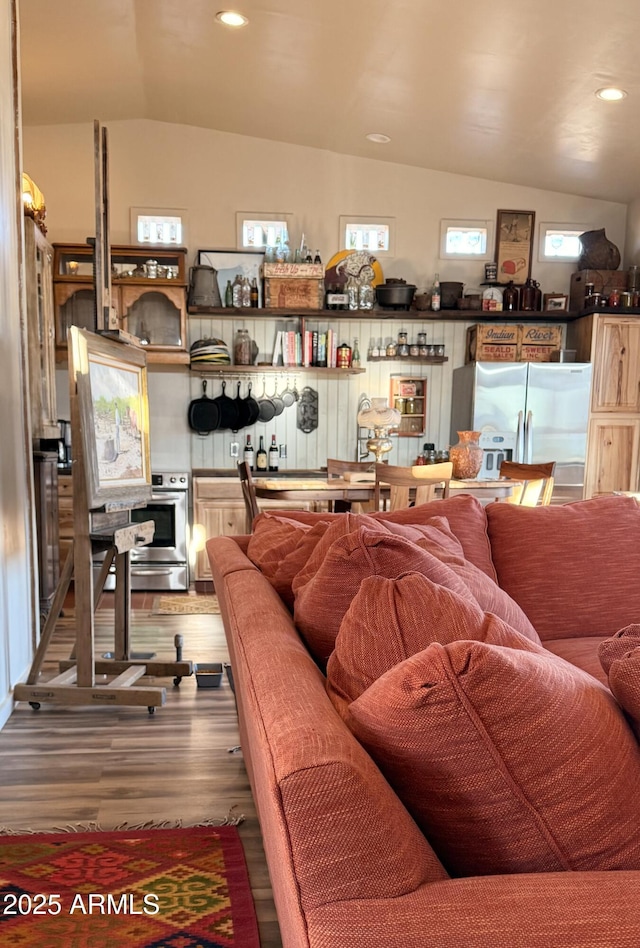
(350, 866)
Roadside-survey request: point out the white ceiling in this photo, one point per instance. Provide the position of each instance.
(502, 89)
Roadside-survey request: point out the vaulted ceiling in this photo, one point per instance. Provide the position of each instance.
(502, 90)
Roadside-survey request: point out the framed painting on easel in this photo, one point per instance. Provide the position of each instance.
(113, 410)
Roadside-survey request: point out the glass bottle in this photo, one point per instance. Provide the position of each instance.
(366, 296)
(253, 293)
(236, 288)
(435, 294)
(261, 456)
(228, 294)
(246, 292)
(317, 258)
(352, 293)
(510, 297)
(248, 452)
(355, 355)
(528, 296)
(273, 454)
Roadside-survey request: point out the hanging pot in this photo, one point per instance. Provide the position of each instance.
(227, 409)
(242, 410)
(203, 414)
(267, 408)
(253, 407)
(288, 396)
(278, 404)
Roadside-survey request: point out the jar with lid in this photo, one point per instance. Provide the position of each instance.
(429, 452)
(614, 298)
(391, 350)
(510, 297)
(528, 296)
(403, 345)
(245, 349)
(414, 350)
(633, 279)
(343, 356)
(366, 295)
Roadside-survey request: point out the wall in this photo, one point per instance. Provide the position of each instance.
(16, 601)
(212, 175)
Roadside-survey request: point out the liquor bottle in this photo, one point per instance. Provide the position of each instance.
(273, 454)
(246, 292)
(435, 294)
(228, 294)
(317, 258)
(261, 456)
(308, 258)
(236, 288)
(253, 294)
(355, 355)
(248, 452)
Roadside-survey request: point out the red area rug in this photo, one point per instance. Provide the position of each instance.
(178, 888)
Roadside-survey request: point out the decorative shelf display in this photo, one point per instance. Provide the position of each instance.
(421, 360)
(221, 370)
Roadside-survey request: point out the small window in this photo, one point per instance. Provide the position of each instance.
(158, 226)
(560, 242)
(374, 234)
(465, 240)
(256, 230)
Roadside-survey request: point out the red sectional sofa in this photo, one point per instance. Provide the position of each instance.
(490, 795)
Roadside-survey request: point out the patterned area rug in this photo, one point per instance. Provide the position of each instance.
(178, 888)
(185, 605)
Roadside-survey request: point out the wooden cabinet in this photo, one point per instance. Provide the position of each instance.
(409, 396)
(612, 344)
(148, 294)
(40, 333)
(218, 506)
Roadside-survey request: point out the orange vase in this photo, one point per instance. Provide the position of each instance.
(466, 455)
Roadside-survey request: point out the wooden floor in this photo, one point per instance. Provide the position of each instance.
(62, 766)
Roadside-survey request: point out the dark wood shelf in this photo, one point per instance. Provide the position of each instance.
(475, 315)
(425, 360)
(203, 368)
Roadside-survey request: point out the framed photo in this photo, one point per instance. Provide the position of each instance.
(111, 419)
(229, 263)
(514, 245)
(555, 301)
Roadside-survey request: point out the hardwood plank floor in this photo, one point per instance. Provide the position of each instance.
(67, 765)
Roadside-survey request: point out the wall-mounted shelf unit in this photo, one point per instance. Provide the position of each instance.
(242, 370)
(414, 315)
(421, 360)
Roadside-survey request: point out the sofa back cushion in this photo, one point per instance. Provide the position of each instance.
(325, 587)
(573, 568)
(391, 619)
(280, 546)
(509, 760)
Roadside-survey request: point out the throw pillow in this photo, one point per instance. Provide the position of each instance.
(280, 546)
(508, 760)
(391, 619)
(573, 568)
(618, 645)
(624, 681)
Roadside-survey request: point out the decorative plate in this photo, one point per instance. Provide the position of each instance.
(348, 263)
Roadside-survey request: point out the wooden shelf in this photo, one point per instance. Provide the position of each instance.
(475, 315)
(424, 360)
(222, 370)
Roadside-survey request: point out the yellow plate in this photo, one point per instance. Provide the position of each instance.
(348, 263)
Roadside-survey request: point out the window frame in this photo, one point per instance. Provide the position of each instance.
(546, 227)
(368, 222)
(447, 224)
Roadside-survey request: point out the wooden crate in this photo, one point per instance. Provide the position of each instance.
(537, 342)
(488, 342)
(294, 271)
(293, 293)
(603, 280)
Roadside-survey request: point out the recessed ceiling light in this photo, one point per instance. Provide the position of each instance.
(611, 94)
(229, 18)
(378, 138)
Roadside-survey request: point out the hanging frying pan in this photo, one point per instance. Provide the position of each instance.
(242, 410)
(203, 414)
(227, 409)
(267, 408)
(288, 396)
(278, 404)
(254, 407)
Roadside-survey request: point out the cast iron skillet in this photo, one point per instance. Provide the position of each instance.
(228, 411)
(267, 408)
(203, 415)
(254, 407)
(242, 410)
(278, 403)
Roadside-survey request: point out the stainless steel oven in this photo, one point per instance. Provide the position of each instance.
(164, 563)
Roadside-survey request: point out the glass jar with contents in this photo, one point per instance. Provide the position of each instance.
(414, 350)
(403, 346)
(410, 406)
(391, 349)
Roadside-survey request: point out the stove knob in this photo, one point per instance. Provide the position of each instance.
(172, 480)
(183, 480)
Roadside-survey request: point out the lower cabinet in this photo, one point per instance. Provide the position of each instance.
(218, 506)
(612, 456)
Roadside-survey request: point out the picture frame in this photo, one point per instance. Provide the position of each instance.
(229, 263)
(555, 302)
(514, 245)
(110, 419)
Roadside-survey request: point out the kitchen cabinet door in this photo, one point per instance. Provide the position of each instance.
(616, 370)
(612, 454)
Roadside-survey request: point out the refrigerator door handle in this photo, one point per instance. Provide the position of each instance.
(528, 438)
(520, 438)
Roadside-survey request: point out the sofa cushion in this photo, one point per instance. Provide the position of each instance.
(557, 563)
(616, 646)
(509, 760)
(392, 619)
(582, 652)
(280, 546)
(339, 563)
(624, 681)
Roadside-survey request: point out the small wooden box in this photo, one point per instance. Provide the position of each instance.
(537, 342)
(492, 343)
(603, 281)
(293, 293)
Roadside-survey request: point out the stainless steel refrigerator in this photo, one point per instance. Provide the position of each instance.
(530, 412)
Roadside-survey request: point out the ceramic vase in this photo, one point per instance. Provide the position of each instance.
(466, 455)
(598, 252)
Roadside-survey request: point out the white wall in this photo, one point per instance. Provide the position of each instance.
(15, 573)
(213, 174)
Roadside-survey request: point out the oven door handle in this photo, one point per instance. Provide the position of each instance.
(166, 497)
(150, 572)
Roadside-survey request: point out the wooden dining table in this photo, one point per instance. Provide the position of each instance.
(337, 488)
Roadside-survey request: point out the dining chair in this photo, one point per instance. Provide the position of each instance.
(248, 494)
(536, 483)
(338, 468)
(417, 484)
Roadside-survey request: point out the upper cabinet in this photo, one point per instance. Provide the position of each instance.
(40, 332)
(148, 294)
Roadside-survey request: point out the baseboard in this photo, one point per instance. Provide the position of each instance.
(6, 708)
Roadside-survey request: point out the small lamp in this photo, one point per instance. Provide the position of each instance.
(380, 418)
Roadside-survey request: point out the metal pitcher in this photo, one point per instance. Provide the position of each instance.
(203, 287)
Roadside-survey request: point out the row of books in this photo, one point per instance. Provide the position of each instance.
(313, 347)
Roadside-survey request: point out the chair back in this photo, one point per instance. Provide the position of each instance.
(338, 468)
(417, 484)
(536, 485)
(248, 493)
